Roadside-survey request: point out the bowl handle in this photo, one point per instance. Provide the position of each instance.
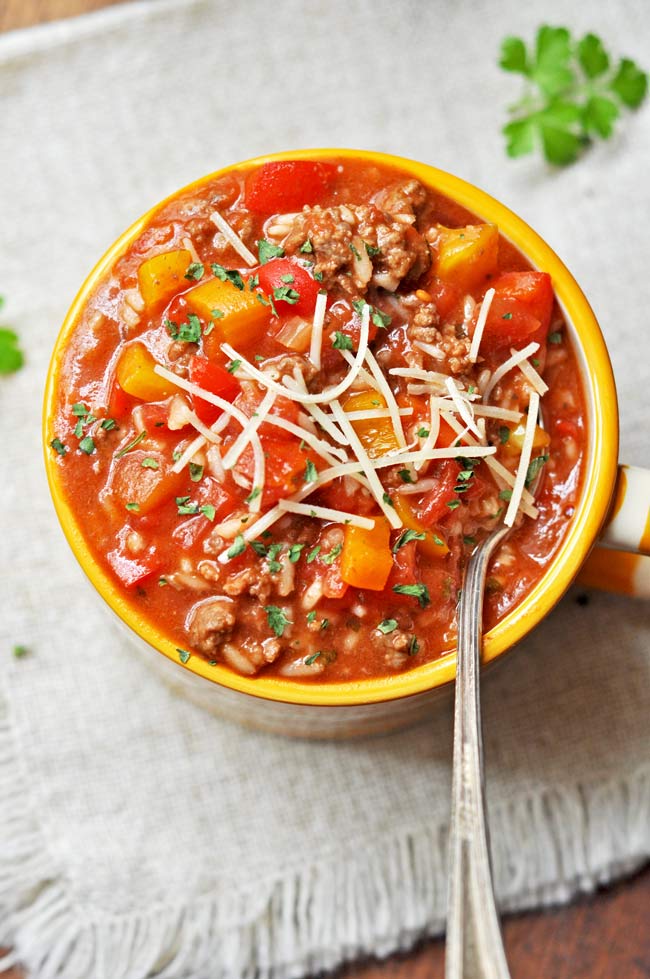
(621, 560)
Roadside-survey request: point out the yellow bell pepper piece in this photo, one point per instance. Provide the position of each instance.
(513, 445)
(466, 255)
(366, 558)
(162, 276)
(135, 375)
(432, 544)
(376, 435)
(244, 317)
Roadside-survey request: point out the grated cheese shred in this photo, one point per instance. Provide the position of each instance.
(480, 325)
(233, 239)
(524, 461)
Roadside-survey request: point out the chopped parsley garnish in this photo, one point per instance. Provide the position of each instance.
(341, 341)
(405, 475)
(59, 447)
(127, 448)
(505, 494)
(507, 316)
(453, 504)
(195, 271)
(464, 477)
(238, 546)
(313, 554)
(306, 248)
(208, 511)
(150, 463)
(108, 424)
(227, 275)
(388, 500)
(79, 410)
(272, 553)
(387, 626)
(355, 252)
(233, 366)
(254, 493)
(405, 537)
(196, 472)
(277, 619)
(189, 332)
(310, 660)
(87, 445)
(504, 434)
(381, 320)
(421, 592)
(311, 472)
(133, 507)
(295, 550)
(555, 337)
(372, 250)
(286, 294)
(534, 467)
(414, 646)
(258, 547)
(423, 433)
(162, 582)
(185, 507)
(217, 314)
(311, 615)
(288, 278)
(183, 655)
(331, 557)
(266, 250)
(469, 541)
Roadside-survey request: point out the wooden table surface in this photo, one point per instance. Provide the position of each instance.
(606, 936)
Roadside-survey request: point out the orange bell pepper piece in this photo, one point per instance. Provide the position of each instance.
(143, 486)
(243, 317)
(135, 374)
(162, 276)
(375, 434)
(465, 256)
(366, 558)
(513, 444)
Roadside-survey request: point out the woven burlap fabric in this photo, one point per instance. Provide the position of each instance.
(138, 835)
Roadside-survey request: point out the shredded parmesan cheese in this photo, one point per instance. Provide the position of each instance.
(524, 461)
(434, 431)
(233, 238)
(188, 245)
(389, 397)
(463, 406)
(451, 452)
(317, 330)
(480, 325)
(326, 513)
(532, 376)
(188, 454)
(322, 397)
(517, 357)
(246, 433)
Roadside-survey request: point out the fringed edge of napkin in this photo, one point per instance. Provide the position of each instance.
(554, 845)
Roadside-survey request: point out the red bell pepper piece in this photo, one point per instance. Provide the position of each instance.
(284, 277)
(215, 379)
(288, 184)
(522, 306)
(433, 506)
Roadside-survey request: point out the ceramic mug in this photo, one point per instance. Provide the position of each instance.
(613, 508)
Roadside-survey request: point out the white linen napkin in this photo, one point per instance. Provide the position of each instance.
(140, 836)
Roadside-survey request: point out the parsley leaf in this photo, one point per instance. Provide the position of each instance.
(405, 537)
(311, 472)
(59, 447)
(87, 445)
(238, 546)
(183, 655)
(331, 557)
(534, 467)
(11, 356)
(573, 93)
(227, 275)
(277, 619)
(306, 248)
(504, 434)
(286, 294)
(342, 341)
(421, 592)
(195, 270)
(131, 445)
(266, 250)
(196, 472)
(387, 626)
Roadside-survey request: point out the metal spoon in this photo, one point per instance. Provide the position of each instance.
(474, 948)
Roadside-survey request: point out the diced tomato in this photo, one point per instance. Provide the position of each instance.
(282, 276)
(446, 436)
(119, 403)
(285, 468)
(287, 185)
(215, 379)
(445, 296)
(142, 478)
(522, 306)
(190, 531)
(208, 492)
(565, 428)
(130, 569)
(403, 572)
(433, 507)
(154, 415)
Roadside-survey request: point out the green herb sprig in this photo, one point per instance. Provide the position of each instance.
(574, 93)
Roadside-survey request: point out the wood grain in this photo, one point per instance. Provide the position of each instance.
(604, 937)
(26, 13)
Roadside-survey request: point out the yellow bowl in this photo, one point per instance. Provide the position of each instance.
(378, 704)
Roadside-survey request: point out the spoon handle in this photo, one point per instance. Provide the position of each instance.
(474, 948)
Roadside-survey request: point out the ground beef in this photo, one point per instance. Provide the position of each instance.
(404, 198)
(210, 623)
(334, 234)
